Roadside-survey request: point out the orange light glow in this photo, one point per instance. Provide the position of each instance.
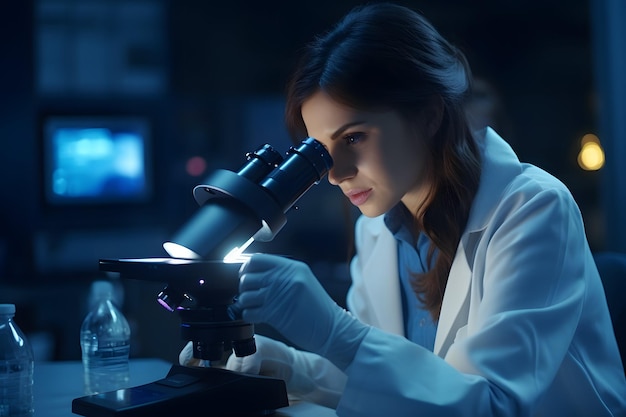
(591, 154)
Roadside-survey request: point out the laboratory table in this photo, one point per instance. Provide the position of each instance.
(58, 383)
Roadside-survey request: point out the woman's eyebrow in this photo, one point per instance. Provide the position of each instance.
(343, 128)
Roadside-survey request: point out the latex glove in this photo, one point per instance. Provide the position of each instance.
(308, 376)
(185, 357)
(286, 295)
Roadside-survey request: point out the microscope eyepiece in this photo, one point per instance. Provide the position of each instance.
(304, 167)
(260, 163)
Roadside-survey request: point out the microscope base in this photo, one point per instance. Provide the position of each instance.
(190, 391)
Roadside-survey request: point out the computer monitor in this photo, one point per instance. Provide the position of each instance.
(97, 160)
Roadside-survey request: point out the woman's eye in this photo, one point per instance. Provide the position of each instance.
(353, 138)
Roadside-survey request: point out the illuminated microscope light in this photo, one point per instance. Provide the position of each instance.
(179, 251)
(236, 256)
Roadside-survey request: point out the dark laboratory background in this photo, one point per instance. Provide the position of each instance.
(190, 86)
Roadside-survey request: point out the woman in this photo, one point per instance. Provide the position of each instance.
(474, 290)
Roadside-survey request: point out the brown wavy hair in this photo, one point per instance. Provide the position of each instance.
(388, 57)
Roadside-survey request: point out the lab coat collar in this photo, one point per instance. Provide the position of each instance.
(499, 166)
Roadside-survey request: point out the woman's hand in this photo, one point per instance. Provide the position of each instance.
(286, 295)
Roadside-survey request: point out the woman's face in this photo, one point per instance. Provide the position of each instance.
(378, 158)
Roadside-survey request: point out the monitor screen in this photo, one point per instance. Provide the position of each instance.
(96, 160)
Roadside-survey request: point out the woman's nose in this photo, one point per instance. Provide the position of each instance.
(342, 170)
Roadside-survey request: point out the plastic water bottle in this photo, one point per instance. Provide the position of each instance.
(105, 343)
(16, 367)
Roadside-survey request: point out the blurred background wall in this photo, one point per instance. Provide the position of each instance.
(204, 81)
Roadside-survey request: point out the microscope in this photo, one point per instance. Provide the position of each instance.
(201, 283)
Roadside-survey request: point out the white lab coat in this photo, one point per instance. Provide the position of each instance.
(524, 329)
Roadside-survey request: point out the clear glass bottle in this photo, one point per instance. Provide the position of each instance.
(105, 343)
(16, 367)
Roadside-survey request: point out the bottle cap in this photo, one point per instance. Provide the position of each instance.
(7, 308)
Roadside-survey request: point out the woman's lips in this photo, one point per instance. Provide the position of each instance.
(358, 197)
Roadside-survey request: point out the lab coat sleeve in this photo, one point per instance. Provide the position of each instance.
(527, 295)
(393, 376)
